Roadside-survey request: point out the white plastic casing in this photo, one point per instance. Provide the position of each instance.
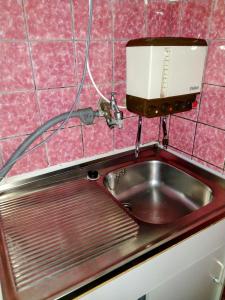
(164, 71)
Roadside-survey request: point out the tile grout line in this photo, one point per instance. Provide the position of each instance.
(193, 157)
(212, 7)
(73, 42)
(199, 122)
(113, 60)
(103, 40)
(180, 17)
(33, 73)
(87, 85)
(76, 75)
(216, 85)
(42, 40)
(146, 19)
(170, 27)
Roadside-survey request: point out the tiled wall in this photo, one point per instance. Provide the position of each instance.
(41, 60)
(200, 134)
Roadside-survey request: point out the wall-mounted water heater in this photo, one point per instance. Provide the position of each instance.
(164, 75)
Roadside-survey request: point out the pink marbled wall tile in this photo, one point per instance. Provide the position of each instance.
(119, 61)
(212, 110)
(180, 152)
(215, 67)
(193, 113)
(181, 134)
(11, 20)
(49, 19)
(210, 145)
(217, 28)
(150, 130)
(162, 18)
(90, 98)
(126, 136)
(53, 64)
(195, 18)
(174, 23)
(15, 67)
(204, 163)
(30, 162)
(65, 146)
(55, 102)
(129, 19)
(100, 61)
(102, 19)
(19, 113)
(161, 130)
(120, 89)
(98, 138)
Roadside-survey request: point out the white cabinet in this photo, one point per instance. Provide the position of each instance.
(183, 272)
(200, 281)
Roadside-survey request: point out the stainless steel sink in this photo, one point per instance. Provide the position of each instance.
(152, 187)
(156, 192)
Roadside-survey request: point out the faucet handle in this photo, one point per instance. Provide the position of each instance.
(113, 94)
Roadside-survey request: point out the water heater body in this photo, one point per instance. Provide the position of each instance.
(164, 75)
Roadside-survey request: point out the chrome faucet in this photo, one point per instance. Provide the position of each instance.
(105, 110)
(138, 138)
(113, 178)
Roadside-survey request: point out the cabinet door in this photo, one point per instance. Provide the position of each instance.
(182, 272)
(203, 280)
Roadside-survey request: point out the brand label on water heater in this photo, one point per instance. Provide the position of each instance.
(193, 88)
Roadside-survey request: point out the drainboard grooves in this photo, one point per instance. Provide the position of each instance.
(54, 244)
(57, 263)
(50, 258)
(54, 240)
(66, 220)
(57, 228)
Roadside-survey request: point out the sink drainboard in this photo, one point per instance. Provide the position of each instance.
(57, 228)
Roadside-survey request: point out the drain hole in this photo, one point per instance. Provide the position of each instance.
(127, 206)
(92, 175)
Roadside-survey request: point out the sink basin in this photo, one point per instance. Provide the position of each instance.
(156, 192)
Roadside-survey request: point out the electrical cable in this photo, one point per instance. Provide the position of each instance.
(97, 89)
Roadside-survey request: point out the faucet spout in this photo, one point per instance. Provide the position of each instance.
(118, 114)
(138, 138)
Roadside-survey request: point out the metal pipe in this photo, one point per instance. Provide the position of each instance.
(138, 138)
